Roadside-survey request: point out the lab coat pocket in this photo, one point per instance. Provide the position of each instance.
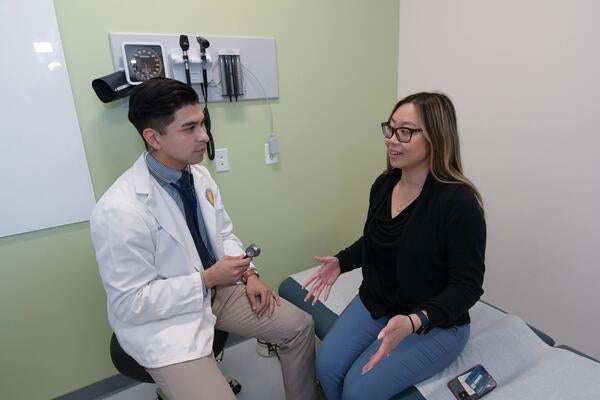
(172, 259)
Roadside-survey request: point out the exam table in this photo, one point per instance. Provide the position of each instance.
(524, 361)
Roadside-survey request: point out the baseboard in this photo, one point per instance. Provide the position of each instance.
(101, 389)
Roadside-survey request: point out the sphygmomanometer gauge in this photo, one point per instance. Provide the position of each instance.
(143, 61)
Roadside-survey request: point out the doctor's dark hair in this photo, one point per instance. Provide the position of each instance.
(437, 114)
(153, 103)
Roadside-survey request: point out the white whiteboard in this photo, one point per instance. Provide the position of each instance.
(44, 176)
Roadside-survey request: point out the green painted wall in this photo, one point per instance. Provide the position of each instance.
(337, 64)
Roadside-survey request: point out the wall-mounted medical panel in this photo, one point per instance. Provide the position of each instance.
(237, 68)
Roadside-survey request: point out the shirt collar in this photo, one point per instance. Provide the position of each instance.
(161, 171)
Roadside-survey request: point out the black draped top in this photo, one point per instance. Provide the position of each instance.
(431, 256)
(383, 236)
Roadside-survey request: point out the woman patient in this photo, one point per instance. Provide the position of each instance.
(422, 257)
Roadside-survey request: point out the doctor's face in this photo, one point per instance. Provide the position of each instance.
(183, 141)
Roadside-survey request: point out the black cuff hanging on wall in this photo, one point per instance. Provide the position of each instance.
(112, 87)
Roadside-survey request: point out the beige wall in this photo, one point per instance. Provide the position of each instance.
(524, 77)
(337, 65)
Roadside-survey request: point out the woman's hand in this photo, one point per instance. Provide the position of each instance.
(397, 328)
(323, 278)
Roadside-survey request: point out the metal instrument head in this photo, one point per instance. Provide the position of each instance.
(184, 42)
(253, 250)
(204, 44)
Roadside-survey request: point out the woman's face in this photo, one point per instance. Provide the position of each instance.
(409, 155)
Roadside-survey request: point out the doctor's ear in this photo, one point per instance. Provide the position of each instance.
(151, 137)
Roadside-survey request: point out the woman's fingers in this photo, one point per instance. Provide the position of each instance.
(312, 290)
(310, 279)
(376, 358)
(318, 293)
(327, 290)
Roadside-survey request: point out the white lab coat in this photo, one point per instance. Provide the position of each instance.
(158, 305)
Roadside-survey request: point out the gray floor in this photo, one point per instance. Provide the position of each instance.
(260, 377)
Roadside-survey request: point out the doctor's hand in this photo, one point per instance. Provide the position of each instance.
(396, 330)
(262, 298)
(323, 279)
(227, 270)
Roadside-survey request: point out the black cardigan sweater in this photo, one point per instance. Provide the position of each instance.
(440, 258)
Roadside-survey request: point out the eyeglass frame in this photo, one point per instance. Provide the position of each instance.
(386, 125)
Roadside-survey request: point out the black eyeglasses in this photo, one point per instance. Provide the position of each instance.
(403, 134)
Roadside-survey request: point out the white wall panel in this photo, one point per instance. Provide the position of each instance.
(524, 76)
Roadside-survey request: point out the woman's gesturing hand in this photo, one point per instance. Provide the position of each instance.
(396, 330)
(323, 278)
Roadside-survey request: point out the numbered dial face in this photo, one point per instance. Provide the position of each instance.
(144, 62)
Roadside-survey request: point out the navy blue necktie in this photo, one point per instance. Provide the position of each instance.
(185, 187)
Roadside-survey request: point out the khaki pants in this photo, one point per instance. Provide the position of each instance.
(290, 328)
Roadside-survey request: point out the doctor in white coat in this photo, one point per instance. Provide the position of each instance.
(163, 303)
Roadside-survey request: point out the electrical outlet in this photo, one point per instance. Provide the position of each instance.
(221, 160)
(268, 159)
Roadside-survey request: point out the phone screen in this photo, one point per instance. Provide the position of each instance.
(472, 384)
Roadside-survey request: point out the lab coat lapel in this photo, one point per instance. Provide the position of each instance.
(163, 208)
(206, 199)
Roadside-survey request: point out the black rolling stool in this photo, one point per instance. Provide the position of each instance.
(131, 369)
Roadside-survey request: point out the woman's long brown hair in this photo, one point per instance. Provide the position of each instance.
(438, 116)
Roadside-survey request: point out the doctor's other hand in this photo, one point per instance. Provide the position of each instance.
(262, 298)
(323, 278)
(227, 270)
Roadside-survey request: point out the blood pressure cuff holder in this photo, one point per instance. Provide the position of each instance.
(112, 87)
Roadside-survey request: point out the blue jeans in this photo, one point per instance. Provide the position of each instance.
(353, 340)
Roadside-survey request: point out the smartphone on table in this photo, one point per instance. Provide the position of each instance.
(472, 384)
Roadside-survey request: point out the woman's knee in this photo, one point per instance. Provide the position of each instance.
(356, 390)
(365, 388)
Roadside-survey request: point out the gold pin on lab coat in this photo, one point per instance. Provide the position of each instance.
(210, 197)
